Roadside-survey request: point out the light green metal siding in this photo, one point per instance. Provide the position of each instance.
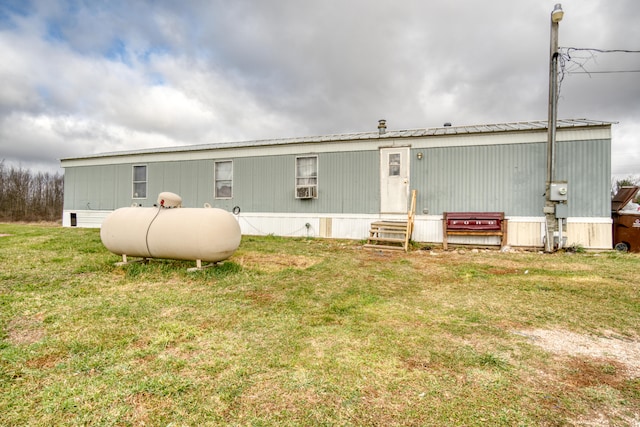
(94, 187)
(122, 194)
(511, 178)
(586, 166)
(263, 184)
(192, 180)
(502, 177)
(351, 181)
(108, 187)
(70, 179)
(347, 183)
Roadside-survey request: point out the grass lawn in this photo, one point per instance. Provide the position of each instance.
(314, 332)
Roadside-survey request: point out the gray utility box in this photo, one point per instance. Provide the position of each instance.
(562, 210)
(559, 191)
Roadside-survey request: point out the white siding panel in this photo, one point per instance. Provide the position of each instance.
(592, 233)
(526, 233)
(263, 225)
(85, 218)
(351, 228)
(427, 228)
(589, 233)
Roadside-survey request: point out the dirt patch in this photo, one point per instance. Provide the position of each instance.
(620, 351)
(260, 298)
(597, 367)
(5, 235)
(270, 263)
(45, 362)
(25, 330)
(590, 372)
(503, 271)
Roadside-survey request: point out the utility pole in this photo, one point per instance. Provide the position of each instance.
(551, 221)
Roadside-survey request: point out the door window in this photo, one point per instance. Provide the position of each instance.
(394, 164)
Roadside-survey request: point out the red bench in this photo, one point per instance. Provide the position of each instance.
(474, 224)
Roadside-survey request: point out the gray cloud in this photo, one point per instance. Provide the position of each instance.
(94, 77)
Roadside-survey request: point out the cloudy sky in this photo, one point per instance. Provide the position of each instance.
(81, 77)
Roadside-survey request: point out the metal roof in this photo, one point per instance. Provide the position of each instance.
(389, 134)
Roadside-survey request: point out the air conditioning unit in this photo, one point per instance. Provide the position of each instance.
(306, 192)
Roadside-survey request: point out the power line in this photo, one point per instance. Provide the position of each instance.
(593, 49)
(603, 72)
(574, 60)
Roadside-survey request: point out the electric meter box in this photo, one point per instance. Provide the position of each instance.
(559, 191)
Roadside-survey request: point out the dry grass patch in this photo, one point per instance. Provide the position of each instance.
(23, 330)
(585, 372)
(273, 262)
(603, 369)
(621, 351)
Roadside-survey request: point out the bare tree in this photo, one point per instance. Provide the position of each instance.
(28, 197)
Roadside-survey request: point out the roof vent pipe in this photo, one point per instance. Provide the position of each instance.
(382, 126)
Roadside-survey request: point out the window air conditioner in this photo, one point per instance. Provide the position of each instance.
(306, 192)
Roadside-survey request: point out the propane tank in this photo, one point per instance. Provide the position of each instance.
(171, 231)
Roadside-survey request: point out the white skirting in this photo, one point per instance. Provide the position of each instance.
(591, 233)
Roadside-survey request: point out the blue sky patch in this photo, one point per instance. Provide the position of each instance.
(117, 51)
(54, 32)
(11, 8)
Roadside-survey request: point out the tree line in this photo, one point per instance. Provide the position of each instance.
(29, 196)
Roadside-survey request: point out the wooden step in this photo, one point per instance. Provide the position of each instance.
(388, 230)
(396, 234)
(386, 240)
(388, 235)
(384, 247)
(390, 225)
(377, 232)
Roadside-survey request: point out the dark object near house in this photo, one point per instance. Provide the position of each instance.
(626, 223)
(474, 224)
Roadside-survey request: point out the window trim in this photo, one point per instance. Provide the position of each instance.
(314, 187)
(134, 182)
(215, 179)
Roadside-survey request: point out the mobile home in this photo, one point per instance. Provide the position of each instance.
(335, 186)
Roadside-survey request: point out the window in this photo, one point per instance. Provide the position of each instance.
(223, 176)
(140, 182)
(394, 164)
(307, 177)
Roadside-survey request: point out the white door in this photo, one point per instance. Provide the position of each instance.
(394, 179)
